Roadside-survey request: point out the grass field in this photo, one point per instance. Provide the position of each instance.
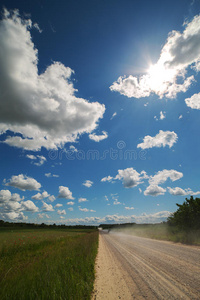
(163, 232)
(47, 263)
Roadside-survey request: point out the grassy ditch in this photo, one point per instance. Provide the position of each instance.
(47, 264)
(162, 231)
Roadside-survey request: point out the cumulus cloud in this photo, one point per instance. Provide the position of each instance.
(47, 207)
(88, 183)
(98, 138)
(23, 183)
(177, 191)
(29, 206)
(61, 212)
(58, 205)
(51, 198)
(129, 208)
(70, 203)
(154, 190)
(37, 160)
(40, 196)
(130, 177)
(41, 110)
(193, 102)
(162, 176)
(169, 75)
(162, 139)
(82, 200)
(107, 178)
(64, 192)
(6, 196)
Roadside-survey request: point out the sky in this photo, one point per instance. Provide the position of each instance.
(99, 110)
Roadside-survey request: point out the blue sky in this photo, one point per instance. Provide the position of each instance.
(99, 110)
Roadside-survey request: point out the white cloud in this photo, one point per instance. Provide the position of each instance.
(72, 148)
(98, 138)
(106, 198)
(58, 205)
(129, 208)
(47, 207)
(41, 109)
(70, 209)
(113, 115)
(177, 191)
(61, 212)
(51, 175)
(194, 101)
(40, 159)
(154, 190)
(51, 198)
(82, 200)
(130, 177)
(23, 183)
(6, 196)
(13, 216)
(108, 178)
(64, 192)
(86, 209)
(29, 206)
(88, 183)
(162, 176)
(162, 139)
(180, 117)
(162, 115)
(40, 196)
(70, 203)
(180, 53)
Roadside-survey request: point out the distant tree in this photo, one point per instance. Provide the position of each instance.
(187, 215)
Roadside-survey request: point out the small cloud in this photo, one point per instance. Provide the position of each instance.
(47, 207)
(70, 203)
(180, 117)
(72, 148)
(51, 175)
(162, 115)
(98, 138)
(108, 178)
(65, 193)
(154, 190)
(82, 200)
(52, 198)
(114, 115)
(61, 212)
(129, 208)
(58, 205)
(37, 160)
(40, 196)
(70, 209)
(88, 183)
(162, 139)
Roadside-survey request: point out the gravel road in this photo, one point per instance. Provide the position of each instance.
(130, 267)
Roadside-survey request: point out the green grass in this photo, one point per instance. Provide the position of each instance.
(47, 264)
(163, 232)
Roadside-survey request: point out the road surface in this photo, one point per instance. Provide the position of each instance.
(130, 267)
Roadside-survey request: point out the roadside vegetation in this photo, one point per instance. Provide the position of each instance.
(47, 263)
(182, 226)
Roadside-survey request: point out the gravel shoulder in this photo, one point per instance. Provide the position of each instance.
(129, 267)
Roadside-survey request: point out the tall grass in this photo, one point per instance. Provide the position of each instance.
(53, 265)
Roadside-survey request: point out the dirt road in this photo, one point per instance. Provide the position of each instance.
(130, 267)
